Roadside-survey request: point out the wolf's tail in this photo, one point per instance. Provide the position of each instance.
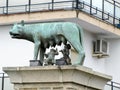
(80, 34)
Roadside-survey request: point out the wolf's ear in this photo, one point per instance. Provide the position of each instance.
(22, 23)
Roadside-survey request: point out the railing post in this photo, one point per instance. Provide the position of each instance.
(7, 6)
(52, 5)
(26, 8)
(90, 7)
(102, 9)
(3, 10)
(29, 4)
(76, 8)
(111, 85)
(73, 4)
(3, 81)
(77, 4)
(114, 12)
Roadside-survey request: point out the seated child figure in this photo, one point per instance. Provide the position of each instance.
(66, 53)
(50, 57)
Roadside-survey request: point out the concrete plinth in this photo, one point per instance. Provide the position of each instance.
(56, 78)
(35, 63)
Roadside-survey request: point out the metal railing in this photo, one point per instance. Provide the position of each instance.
(101, 13)
(5, 84)
(35, 7)
(2, 81)
(112, 86)
(81, 5)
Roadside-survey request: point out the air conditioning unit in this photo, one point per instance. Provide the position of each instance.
(101, 47)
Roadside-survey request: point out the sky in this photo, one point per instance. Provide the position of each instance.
(14, 52)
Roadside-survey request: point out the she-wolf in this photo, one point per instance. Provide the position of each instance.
(46, 34)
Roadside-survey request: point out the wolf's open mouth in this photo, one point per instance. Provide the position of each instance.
(14, 35)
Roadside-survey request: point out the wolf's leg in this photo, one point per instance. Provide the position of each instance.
(42, 52)
(36, 50)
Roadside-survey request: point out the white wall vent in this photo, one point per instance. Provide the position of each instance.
(101, 47)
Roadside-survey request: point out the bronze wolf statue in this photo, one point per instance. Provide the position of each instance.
(50, 34)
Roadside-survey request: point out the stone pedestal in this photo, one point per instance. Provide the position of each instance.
(56, 78)
(35, 63)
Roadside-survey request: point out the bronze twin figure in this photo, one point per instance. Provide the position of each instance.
(50, 56)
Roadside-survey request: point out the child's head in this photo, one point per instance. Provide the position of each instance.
(68, 46)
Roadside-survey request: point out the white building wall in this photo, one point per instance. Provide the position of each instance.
(109, 65)
(90, 61)
(113, 62)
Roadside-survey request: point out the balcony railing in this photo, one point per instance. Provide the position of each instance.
(112, 86)
(81, 5)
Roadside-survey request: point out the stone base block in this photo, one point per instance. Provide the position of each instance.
(56, 78)
(53, 86)
(35, 63)
(61, 62)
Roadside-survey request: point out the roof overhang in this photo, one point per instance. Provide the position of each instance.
(86, 21)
